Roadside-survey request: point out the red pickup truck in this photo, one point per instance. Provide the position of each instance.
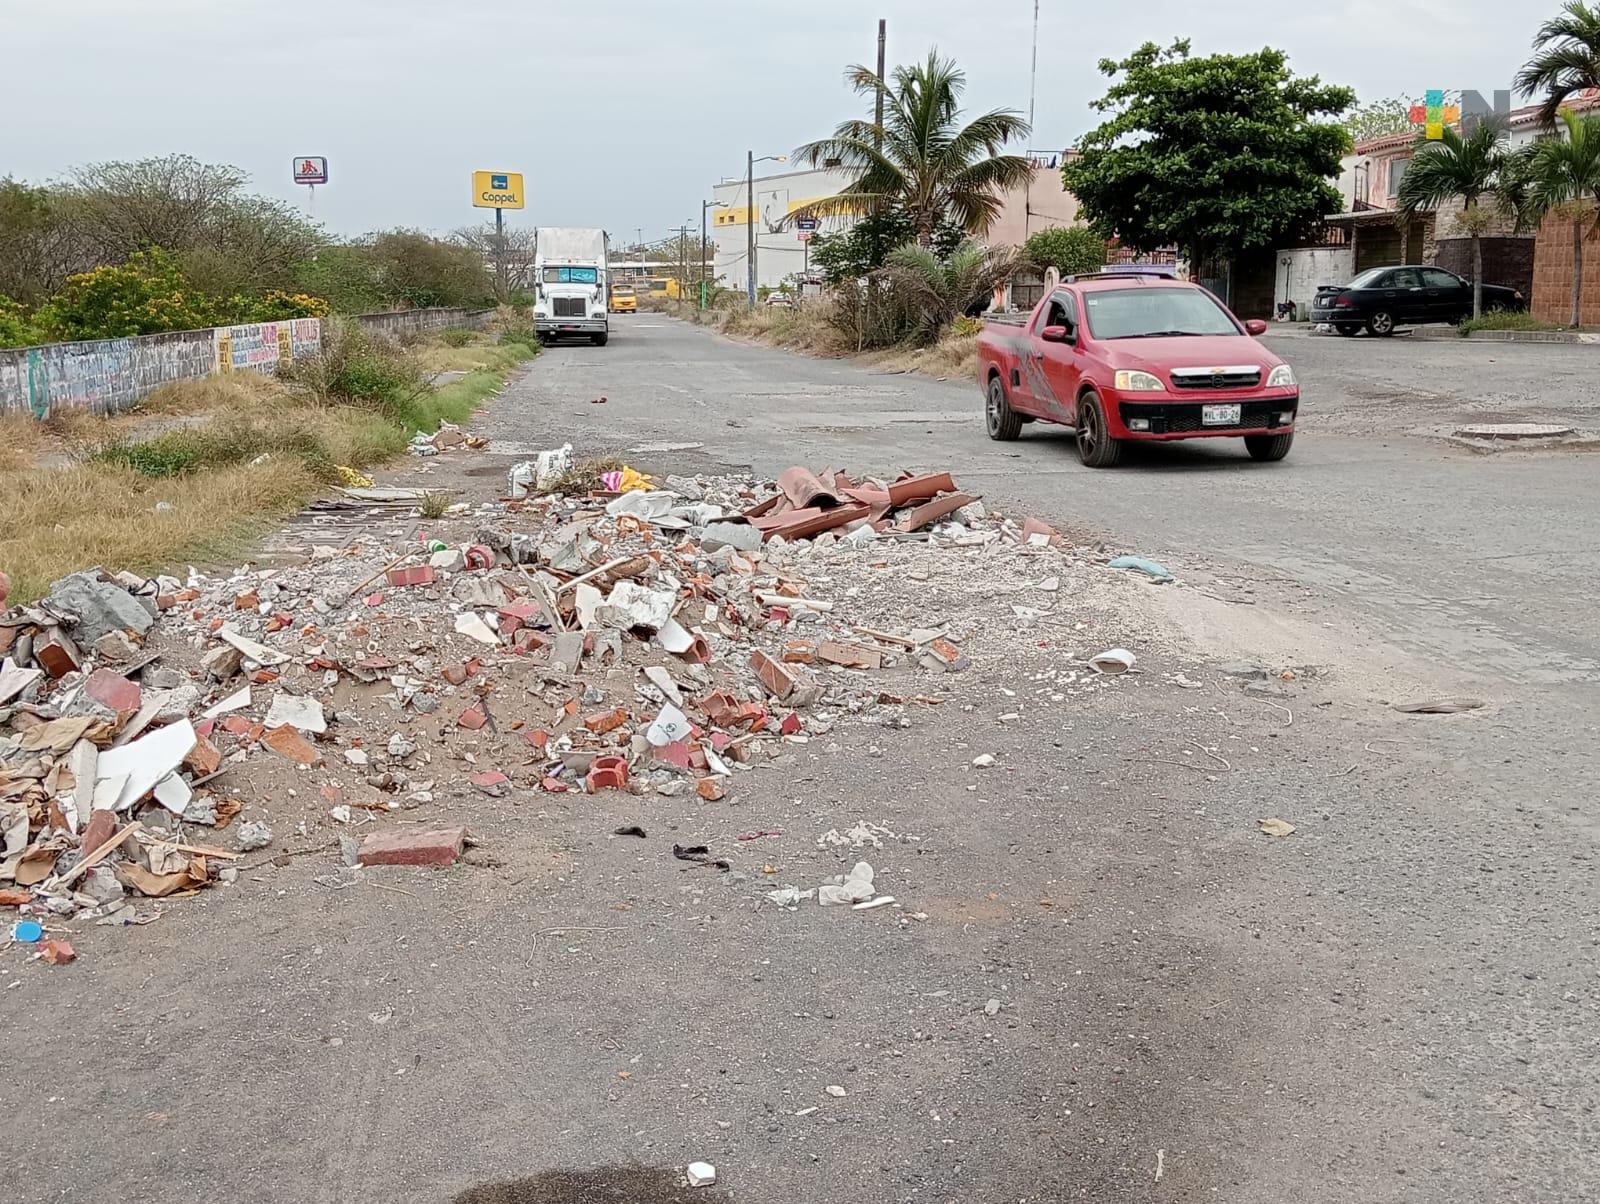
(1124, 356)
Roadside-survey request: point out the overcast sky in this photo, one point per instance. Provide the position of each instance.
(621, 113)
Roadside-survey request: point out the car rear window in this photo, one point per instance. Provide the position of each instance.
(1141, 313)
(1368, 278)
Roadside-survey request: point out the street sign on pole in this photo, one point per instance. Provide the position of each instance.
(804, 235)
(807, 224)
(497, 190)
(311, 169)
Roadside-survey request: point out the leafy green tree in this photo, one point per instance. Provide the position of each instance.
(1566, 58)
(1561, 176)
(945, 289)
(1451, 168)
(921, 160)
(420, 271)
(1217, 155)
(16, 327)
(1068, 249)
(1391, 115)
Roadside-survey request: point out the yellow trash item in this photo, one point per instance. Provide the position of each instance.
(351, 479)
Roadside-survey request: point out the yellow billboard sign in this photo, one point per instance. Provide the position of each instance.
(497, 190)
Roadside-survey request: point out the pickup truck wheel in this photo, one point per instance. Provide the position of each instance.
(1381, 323)
(1268, 447)
(1096, 448)
(1002, 422)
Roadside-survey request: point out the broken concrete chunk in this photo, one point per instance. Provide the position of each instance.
(631, 604)
(101, 607)
(742, 536)
(145, 761)
(303, 713)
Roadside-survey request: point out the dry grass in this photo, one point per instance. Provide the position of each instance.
(584, 476)
(55, 521)
(953, 357)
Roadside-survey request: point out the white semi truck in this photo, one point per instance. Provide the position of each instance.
(569, 273)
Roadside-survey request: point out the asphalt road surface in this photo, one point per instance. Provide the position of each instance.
(1395, 1003)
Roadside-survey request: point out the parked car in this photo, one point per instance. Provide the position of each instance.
(780, 301)
(1127, 356)
(1382, 298)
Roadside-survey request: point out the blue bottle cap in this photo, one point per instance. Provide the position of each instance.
(26, 930)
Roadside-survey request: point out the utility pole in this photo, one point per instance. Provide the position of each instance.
(704, 205)
(500, 252)
(883, 41)
(1033, 77)
(750, 230)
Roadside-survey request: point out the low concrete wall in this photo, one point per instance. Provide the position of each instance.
(1308, 267)
(110, 375)
(406, 322)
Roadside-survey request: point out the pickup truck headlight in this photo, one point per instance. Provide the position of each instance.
(1282, 377)
(1133, 381)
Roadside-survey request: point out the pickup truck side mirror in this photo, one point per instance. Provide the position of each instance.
(1255, 326)
(1058, 334)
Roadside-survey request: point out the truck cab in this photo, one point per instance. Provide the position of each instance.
(570, 284)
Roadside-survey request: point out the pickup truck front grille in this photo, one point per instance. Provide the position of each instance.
(568, 307)
(1181, 419)
(1216, 378)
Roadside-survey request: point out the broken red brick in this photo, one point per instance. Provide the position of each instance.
(801, 524)
(800, 652)
(287, 742)
(114, 692)
(677, 753)
(709, 789)
(750, 714)
(14, 896)
(785, 682)
(607, 773)
(456, 675)
(602, 722)
(439, 846)
(855, 656)
(720, 741)
(415, 574)
(554, 785)
(279, 621)
(480, 557)
(263, 677)
(166, 601)
(947, 654)
(1032, 527)
(719, 707)
(98, 830)
(473, 718)
(491, 782)
(529, 640)
(920, 489)
(57, 654)
(518, 614)
(791, 723)
(931, 512)
(57, 953)
(187, 595)
(205, 758)
(698, 652)
(538, 738)
(237, 724)
(247, 601)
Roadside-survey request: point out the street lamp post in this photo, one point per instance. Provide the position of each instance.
(750, 221)
(704, 205)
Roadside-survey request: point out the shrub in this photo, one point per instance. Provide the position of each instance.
(458, 338)
(146, 295)
(354, 368)
(964, 326)
(17, 329)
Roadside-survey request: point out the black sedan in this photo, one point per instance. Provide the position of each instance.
(1382, 298)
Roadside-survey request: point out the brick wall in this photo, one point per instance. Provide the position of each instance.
(1507, 261)
(1552, 274)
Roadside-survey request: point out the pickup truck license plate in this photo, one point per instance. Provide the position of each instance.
(1220, 415)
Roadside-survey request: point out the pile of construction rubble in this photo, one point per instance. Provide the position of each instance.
(659, 640)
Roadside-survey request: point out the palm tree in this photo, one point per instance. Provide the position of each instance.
(1452, 167)
(920, 159)
(941, 290)
(1563, 176)
(1567, 58)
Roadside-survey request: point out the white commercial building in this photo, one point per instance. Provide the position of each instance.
(782, 250)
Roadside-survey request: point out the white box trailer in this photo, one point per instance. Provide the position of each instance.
(570, 267)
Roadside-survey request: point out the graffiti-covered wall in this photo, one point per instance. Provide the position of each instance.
(108, 375)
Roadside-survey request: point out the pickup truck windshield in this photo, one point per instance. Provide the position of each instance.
(1146, 313)
(570, 275)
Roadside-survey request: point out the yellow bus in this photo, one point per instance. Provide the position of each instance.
(623, 299)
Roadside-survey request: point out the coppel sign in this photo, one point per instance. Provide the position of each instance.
(1433, 114)
(497, 189)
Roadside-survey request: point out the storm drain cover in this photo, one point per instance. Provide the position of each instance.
(1515, 430)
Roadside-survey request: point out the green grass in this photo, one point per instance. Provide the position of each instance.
(1502, 320)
